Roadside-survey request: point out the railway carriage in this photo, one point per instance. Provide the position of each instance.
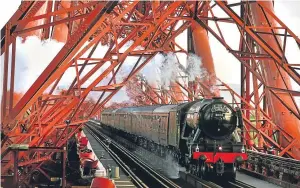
(202, 135)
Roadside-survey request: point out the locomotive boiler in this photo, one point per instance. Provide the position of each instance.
(204, 135)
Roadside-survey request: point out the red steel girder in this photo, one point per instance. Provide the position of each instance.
(63, 52)
(247, 29)
(153, 31)
(61, 56)
(27, 9)
(256, 97)
(57, 108)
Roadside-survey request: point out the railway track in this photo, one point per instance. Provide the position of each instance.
(136, 180)
(196, 182)
(193, 180)
(149, 174)
(239, 184)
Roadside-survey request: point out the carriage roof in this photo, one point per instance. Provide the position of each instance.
(165, 108)
(108, 111)
(148, 109)
(137, 109)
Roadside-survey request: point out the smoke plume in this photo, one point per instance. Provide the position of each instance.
(194, 68)
(162, 70)
(34, 55)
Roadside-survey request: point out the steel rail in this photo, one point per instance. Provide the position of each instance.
(269, 179)
(197, 182)
(192, 179)
(240, 184)
(136, 180)
(187, 177)
(159, 178)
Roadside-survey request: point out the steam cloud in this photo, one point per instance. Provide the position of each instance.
(194, 67)
(34, 55)
(162, 70)
(167, 166)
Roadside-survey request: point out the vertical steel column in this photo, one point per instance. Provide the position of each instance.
(64, 168)
(279, 113)
(202, 49)
(245, 93)
(5, 71)
(60, 32)
(38, 32)
(245, 80)
(46, 31)
(12, 74)
(16, 176)
(191, 49)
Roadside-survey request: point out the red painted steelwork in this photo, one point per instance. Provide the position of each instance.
(27, 9)
(83, 141)
(38, 119)
(276, 77)
(38, 32)
(46, 113)
(202, 49)
(252, 61)
(60, 31)
(102, 182)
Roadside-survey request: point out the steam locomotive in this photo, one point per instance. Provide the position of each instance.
(204, 135)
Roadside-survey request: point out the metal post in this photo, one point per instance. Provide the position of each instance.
(65, 156)
(16, 180)
(12, 74)
(64, 169)
(67, 137)
(5, 71)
